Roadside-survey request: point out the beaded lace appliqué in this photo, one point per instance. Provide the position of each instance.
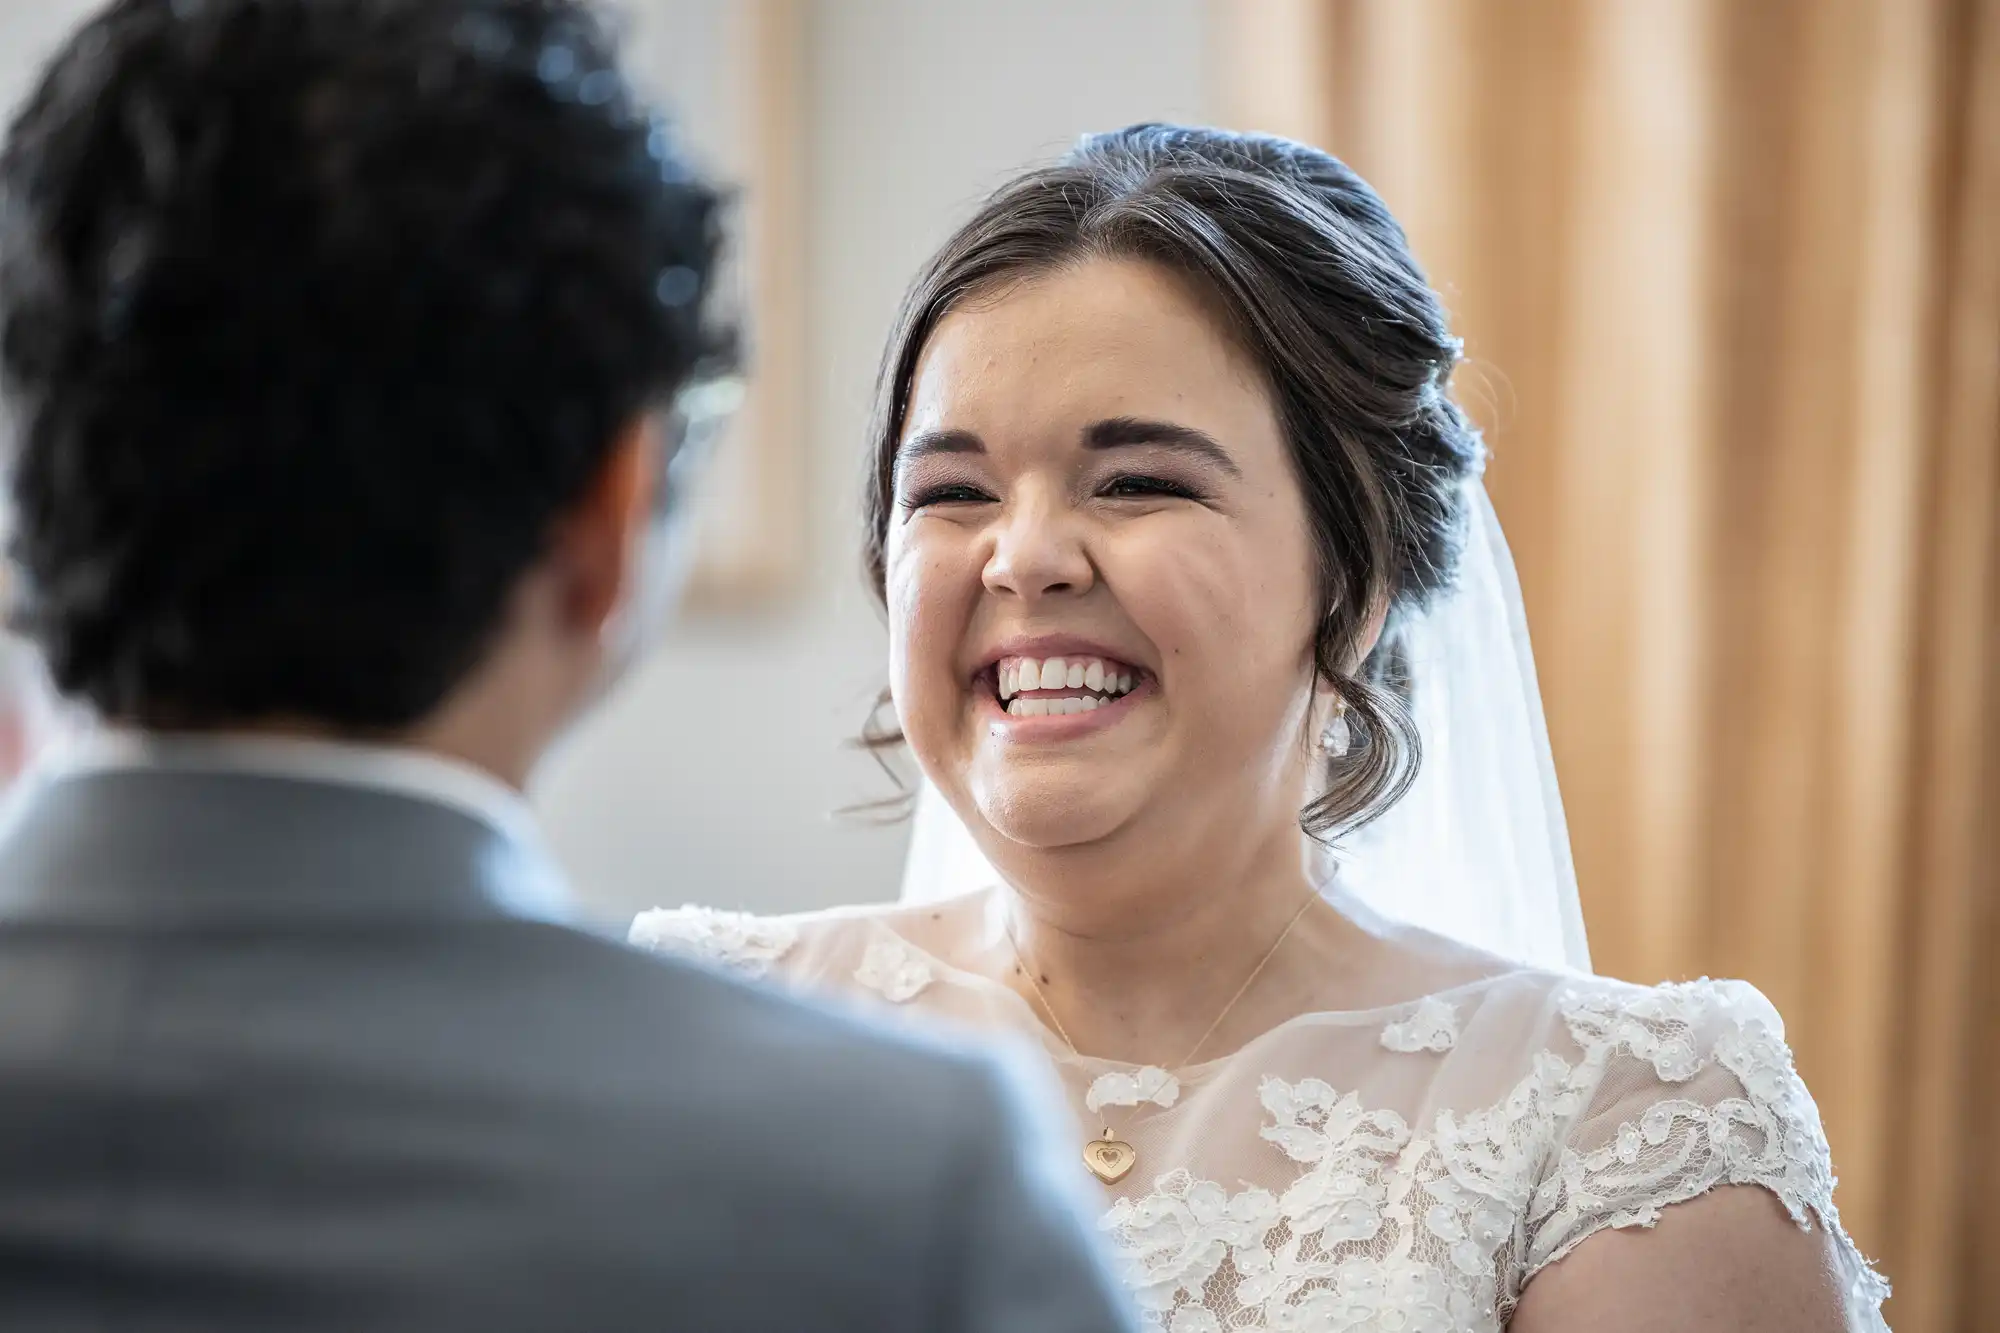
(1433, 1027)
(739, 941)
(1150, 1084)
(895, 971)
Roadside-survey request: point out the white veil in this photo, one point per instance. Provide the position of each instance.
(1478, 850)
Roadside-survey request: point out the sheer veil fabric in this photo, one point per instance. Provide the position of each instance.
(1478, 850)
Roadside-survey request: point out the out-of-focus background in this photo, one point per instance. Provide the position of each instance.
(1729, 275)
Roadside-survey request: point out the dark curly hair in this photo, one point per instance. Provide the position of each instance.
(1316, 283)
(315, 316)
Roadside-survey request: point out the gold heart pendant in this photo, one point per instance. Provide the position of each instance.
(1109, 1159)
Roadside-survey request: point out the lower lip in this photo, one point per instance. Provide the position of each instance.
(1066, 726)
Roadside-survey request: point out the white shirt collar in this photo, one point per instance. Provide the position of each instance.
(417, 774)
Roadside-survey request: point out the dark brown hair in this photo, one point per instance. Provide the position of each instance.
(1315, 282)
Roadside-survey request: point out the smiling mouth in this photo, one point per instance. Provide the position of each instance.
(1057, 686)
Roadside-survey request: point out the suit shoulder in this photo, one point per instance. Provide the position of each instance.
(672, 1012)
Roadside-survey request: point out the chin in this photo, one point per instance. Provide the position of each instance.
(1047, 811)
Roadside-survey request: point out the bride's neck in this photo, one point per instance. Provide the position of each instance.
(1137, 954)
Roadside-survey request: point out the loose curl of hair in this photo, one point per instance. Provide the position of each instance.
(1316, 284)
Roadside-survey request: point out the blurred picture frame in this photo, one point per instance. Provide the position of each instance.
(731, 73)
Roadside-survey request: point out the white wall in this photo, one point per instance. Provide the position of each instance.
(29, 29)
(714, 778)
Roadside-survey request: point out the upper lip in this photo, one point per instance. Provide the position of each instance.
(1051, 645)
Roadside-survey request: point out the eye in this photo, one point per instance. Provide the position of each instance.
(948, 493)
(1137, 486)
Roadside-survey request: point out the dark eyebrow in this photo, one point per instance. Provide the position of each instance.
(925, 443)
(1123, 432)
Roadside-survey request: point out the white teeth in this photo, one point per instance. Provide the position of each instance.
(1064, 707)
(1058, 673)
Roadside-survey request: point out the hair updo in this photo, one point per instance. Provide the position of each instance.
(1316, 284)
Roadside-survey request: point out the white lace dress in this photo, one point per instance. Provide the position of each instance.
(1408, 1167)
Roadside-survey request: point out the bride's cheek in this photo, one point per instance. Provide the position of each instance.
(905, 588)
(926, 632)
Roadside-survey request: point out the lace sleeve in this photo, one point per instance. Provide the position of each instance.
(1693, 1087)
(736, 941)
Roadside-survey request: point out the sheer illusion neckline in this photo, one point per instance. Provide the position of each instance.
(1060, 1050)
(1421, 1158)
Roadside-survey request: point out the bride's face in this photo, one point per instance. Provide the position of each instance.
(1099, 573)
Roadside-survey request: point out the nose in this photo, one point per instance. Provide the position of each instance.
(1038, 552)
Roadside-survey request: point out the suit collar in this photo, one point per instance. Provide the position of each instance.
(401, 770)
(188, 837)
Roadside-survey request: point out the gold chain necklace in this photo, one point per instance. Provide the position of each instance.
(1109, 1158)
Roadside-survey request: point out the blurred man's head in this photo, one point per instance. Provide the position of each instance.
(339, 339)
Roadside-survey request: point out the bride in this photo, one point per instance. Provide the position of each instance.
(1184, 547)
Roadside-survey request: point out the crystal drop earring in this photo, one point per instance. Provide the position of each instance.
(1338, 737)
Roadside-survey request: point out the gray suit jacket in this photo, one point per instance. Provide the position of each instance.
(278, 1054)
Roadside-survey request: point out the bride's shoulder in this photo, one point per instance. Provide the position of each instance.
(1592, 1009)
(1595, 1004)
(754, 945)
(1679, 1027)
(1674, 1025)
(1672, 1090)
(744, 942)
(1673, 1030)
